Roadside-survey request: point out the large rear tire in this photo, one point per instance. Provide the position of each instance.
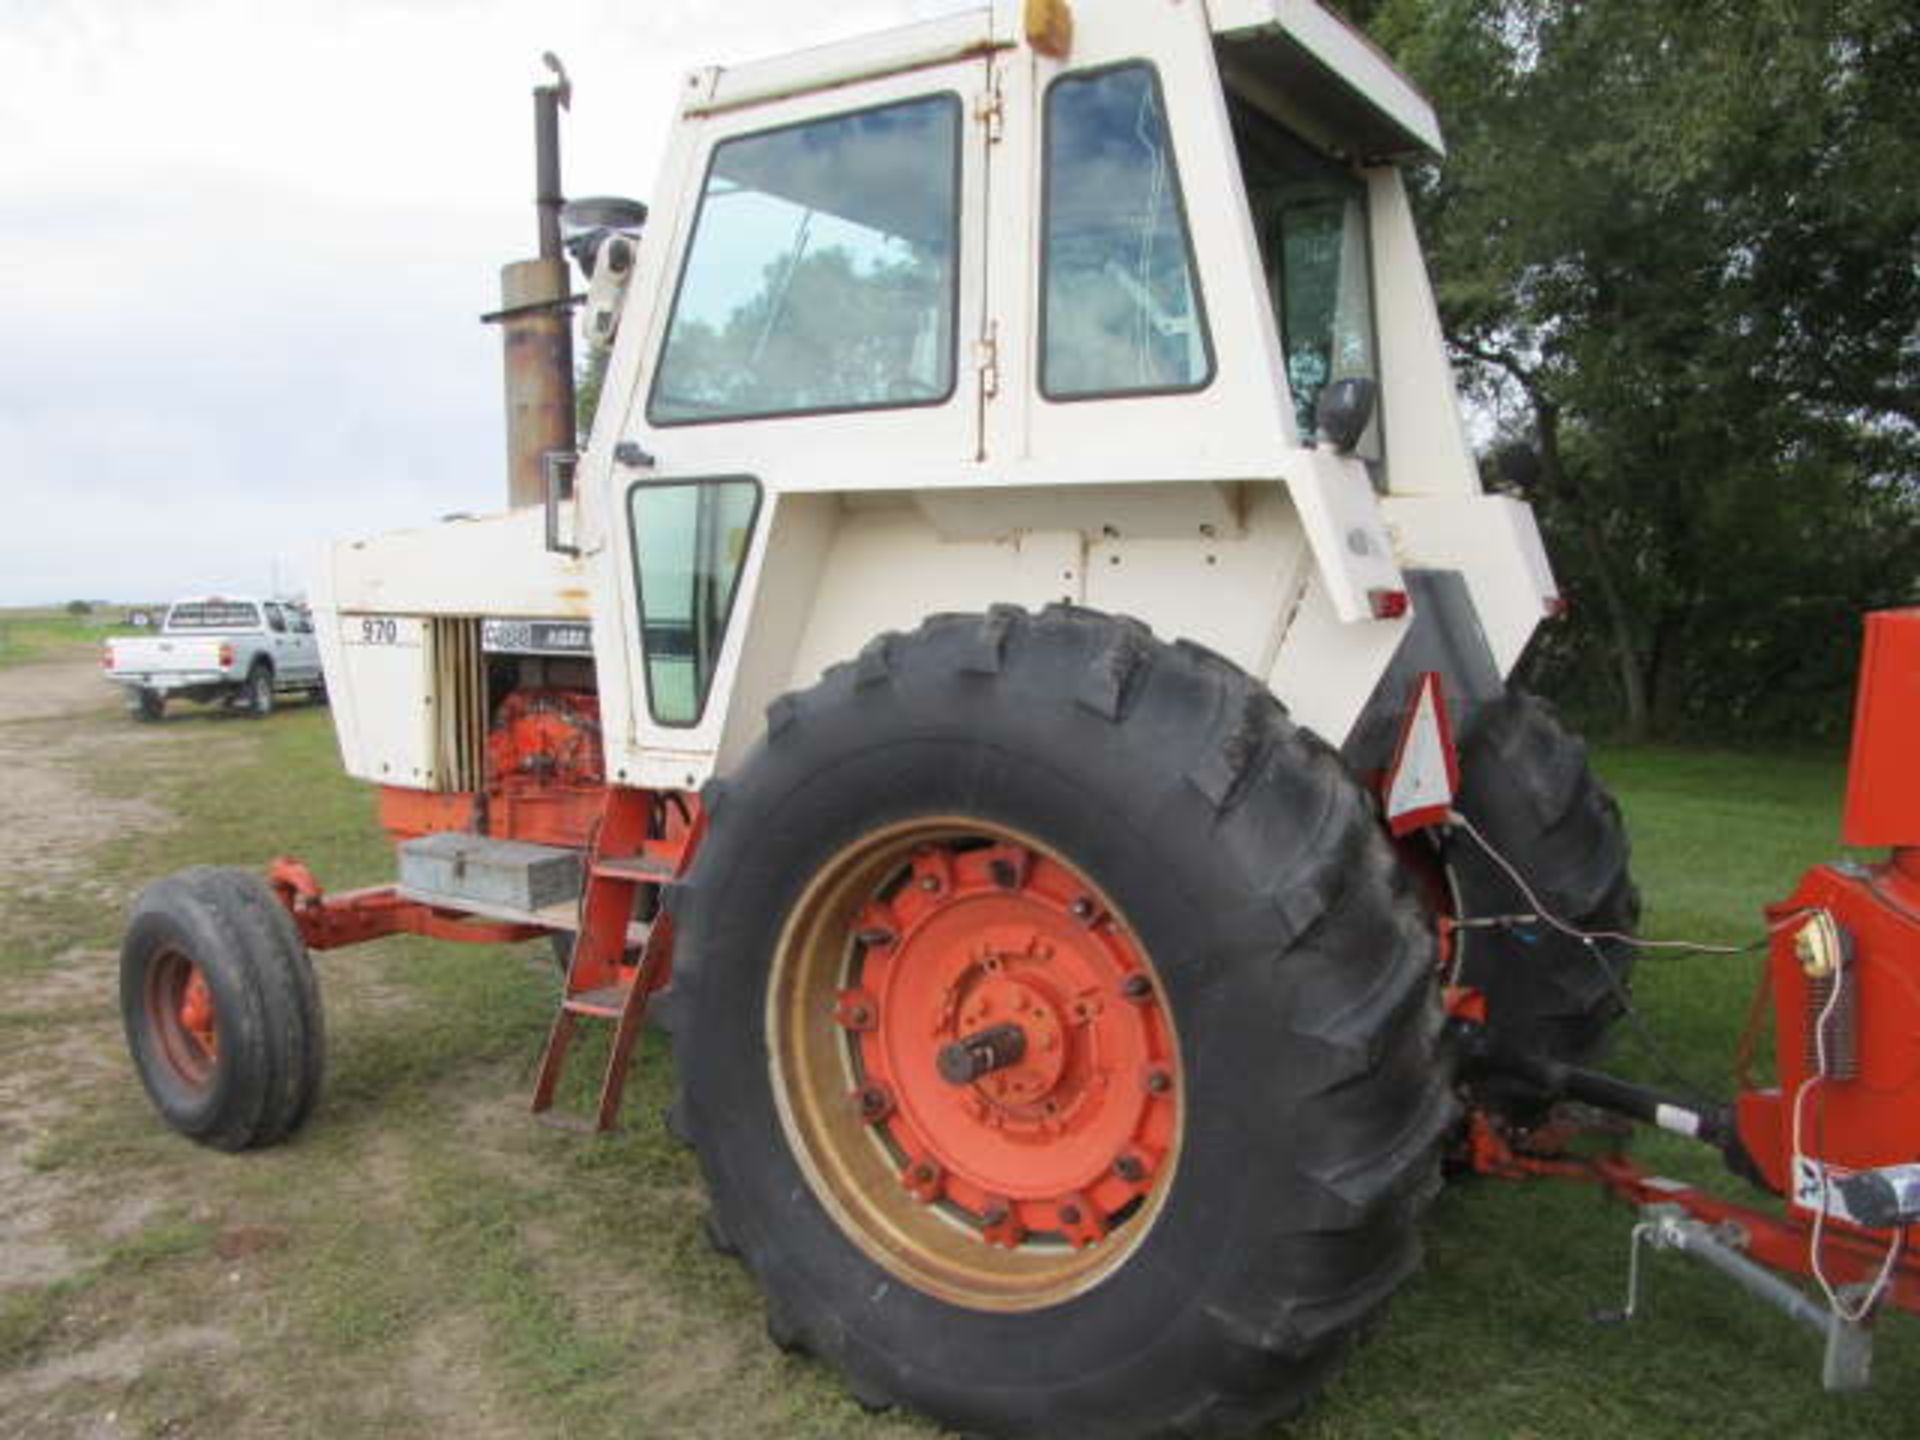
(1528, 788)
(1174, 1201)
(221, 1009)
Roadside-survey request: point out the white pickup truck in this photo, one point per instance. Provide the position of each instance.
(236, 651)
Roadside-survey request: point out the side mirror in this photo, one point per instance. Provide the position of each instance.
(1344, 410)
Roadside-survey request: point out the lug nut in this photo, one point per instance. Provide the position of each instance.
(875, 1103)
(876, 939)
(1159, 1082)
(1004, 874)
(854, 1010)
(930, 882)
(1082, 908)
(1069, 1214)
(1137, 987)
(1128, 1167)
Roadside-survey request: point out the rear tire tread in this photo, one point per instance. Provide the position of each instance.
(1360, 1185)
(1529, 789)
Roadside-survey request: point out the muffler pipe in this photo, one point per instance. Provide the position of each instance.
(534, 318)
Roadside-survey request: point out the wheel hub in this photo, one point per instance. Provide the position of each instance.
(181, 1011)
(1012, 1052)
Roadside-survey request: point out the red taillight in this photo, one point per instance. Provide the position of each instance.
(1557, 607)
(1389, 604)
(106, 657)
(226, 655)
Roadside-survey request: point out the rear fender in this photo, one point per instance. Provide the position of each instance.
(1275, 575)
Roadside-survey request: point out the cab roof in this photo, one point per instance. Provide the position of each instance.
(1292, 57)
(1309, 60)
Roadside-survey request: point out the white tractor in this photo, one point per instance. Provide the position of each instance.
(993, 672)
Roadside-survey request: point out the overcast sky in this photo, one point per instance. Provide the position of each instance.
(244, 248)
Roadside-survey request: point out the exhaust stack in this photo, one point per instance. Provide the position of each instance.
(534, 317)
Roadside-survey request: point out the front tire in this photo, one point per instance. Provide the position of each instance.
(1201, 1171)
(221, 1009)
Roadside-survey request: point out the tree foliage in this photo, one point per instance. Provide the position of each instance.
(1677, 249)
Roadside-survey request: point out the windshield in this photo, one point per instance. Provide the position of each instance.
(213, 615)
(1310, 213)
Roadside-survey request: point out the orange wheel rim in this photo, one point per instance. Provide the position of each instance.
(182, 1019)
(975, 1064)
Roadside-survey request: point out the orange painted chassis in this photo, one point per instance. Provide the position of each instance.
(352, 917)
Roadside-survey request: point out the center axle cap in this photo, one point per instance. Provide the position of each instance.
(975, 1056)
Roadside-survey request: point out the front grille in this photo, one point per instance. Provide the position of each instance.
(459, 703)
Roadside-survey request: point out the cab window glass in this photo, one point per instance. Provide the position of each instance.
(690, 543)
(275, 620)
(822, 270)
(1123, 311)
(1310, 213)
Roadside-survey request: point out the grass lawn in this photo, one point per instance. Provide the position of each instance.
(34, 633)
(427, 1260)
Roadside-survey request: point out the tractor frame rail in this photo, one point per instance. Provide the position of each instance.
(353, 917)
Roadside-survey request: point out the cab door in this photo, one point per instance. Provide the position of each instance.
(303, 650)
(1136, 339)
(279, 644)
(822, 297)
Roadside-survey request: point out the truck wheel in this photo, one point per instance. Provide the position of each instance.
(258, 696)
(149, 705)
(1058, 1033)
(1527, 787)
(221, 1010)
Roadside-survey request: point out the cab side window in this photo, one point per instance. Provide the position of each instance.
(1310, 214)
(1123, 313)
(276, 621)
(690, 540)
(822, 272)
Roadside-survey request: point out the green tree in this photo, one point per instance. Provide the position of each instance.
(1677, 248)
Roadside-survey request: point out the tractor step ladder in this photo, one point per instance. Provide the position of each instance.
(602, 982)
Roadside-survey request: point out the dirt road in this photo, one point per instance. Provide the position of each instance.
(72, 761)
(53, 728)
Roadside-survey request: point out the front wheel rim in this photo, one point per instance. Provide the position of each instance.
(974, 1063)
(182, 1019)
